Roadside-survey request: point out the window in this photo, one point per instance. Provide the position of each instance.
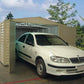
(49, 40)
(30, 40)
(22, 38)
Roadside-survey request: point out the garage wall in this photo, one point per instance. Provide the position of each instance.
(6, 41)
(1, 42)
(68, 34)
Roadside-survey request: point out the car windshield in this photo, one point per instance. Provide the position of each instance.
(45, 40)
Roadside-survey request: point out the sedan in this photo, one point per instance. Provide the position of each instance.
(50, 54)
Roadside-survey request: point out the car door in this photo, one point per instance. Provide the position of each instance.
(29, 48)
(20, 45)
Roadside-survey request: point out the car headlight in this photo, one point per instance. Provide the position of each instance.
(59, 59)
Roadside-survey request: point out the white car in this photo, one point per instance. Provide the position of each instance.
(50, 54)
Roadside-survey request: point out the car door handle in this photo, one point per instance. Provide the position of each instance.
(23, 46)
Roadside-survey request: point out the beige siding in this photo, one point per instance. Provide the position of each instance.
(68, 34)
(7, 43)
(4, 42)
(36, 20)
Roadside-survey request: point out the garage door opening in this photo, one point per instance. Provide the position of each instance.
(28, 27)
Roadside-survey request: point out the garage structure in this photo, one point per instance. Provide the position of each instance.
(45, 25)
(10, 30)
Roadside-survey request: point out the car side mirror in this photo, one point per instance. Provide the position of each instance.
(30, 43)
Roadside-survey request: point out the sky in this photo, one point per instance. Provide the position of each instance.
(35, 8)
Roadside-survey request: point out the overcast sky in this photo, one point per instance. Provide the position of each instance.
(34, 8)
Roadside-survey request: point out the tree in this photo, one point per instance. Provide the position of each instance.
(80, 36)
(79, 42)
(82, 18)
(63, 13)
(9, 16)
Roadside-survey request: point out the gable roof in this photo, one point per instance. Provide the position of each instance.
(36, 20)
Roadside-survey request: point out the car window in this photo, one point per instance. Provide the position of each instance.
(30, 40)
(49, 40)
(21, 39)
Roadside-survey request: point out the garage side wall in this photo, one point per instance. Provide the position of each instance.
(68, 34)
(2, 25)
(5, 42)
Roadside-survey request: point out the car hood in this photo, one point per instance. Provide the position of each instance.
(64, 51)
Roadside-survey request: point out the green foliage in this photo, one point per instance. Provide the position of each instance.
(82, 48)
(82, 18)
(80, 36)
(9, 16)
(63, 11)
(79, 42)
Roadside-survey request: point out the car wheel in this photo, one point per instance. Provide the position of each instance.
(40, 67)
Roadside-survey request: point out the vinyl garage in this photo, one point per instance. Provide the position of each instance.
(10, 30)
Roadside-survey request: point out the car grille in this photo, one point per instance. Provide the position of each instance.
(77, 60)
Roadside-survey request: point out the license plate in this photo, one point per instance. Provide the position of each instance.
(80, 68)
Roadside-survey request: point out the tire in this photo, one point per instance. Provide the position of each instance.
(40, 68)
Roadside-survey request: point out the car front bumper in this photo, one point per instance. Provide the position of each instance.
(64, 70)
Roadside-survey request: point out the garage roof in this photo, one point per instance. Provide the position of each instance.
(37, 20)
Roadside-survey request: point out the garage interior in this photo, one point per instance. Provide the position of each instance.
(10, 30)
(28, 27)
